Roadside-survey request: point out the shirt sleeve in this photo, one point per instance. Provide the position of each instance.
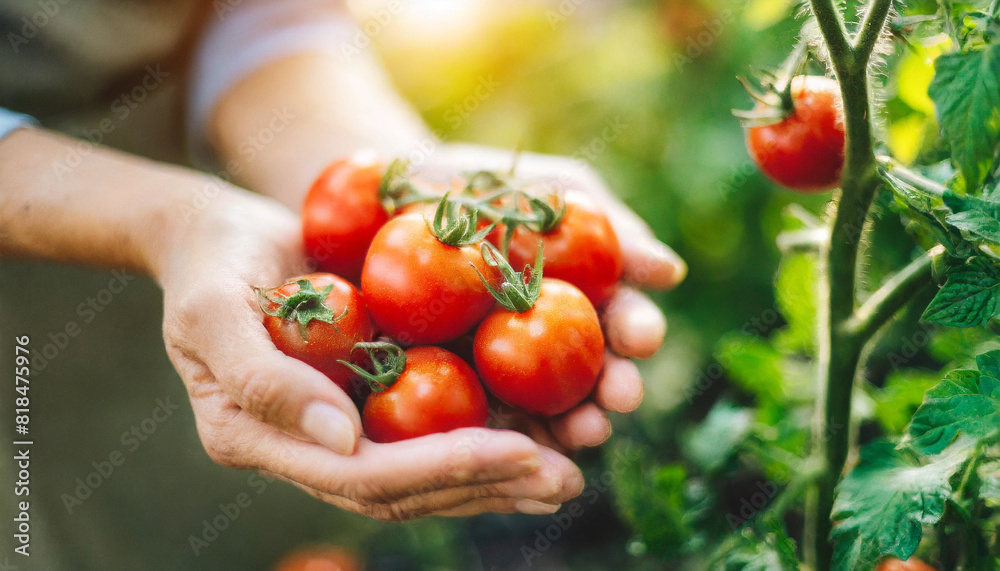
(241, 39)
(10, 122)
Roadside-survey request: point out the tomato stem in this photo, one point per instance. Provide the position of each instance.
(304, 306)
(388, 363)
(518, 291)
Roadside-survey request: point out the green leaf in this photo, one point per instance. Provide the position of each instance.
(765, 547)
(753, 365)
(713, 442)
(966, 92)
(655, 501)
(795, 294)
(969, 298)
(989, 483)
(902, 394)
(883, 504)
(966, 402)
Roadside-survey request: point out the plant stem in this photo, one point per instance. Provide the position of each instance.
(840, 351)
(916, 180)
(893, 295)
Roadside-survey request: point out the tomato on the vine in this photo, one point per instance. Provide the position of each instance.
(582, 249)
(419, 290)
(318, 318)
(420, 391)
(805, 150)
(911, 564)
(342, 213)
(542, 349)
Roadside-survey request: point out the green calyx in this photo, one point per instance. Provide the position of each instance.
(547, 216)
(453, 225)
(776, 101)
(304, 306)
(388, 363)
(395, 186)
(519, 290)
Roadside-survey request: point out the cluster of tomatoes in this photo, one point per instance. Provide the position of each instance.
(433, 290)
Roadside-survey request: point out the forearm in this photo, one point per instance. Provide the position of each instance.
(283, 123)
(101, 209)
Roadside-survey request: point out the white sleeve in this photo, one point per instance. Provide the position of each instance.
(10, 122)
(243, 37)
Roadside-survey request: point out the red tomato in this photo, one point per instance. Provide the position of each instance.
(341, 215)
(545, 360)
(804, 152)
(320, 559)
(911, 564)
(436, 392)
(582, 250)
(420, 291)
(332, 324)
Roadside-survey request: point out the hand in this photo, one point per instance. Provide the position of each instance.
(633, 325)
(257, 408)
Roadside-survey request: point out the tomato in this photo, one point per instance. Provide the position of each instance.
(805, 151)
(436, 392)
(318, 329)
(911, 564)
(319, 559)
(342, 213)
(546, 359)
(582, 250)
(420, 291)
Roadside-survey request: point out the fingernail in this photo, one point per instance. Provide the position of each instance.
(533, 507)
(665, 254)
(329, 426)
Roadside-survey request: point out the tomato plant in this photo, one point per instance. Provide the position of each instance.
(542, 348)
(341, 214)
(862, 431)
(804, 149)
(581, 249)
(318, 318)
(419, 391)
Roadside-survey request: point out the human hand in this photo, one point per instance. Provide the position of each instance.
(633, 325)
(257, 408)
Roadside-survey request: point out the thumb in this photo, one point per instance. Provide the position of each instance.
(271, 386)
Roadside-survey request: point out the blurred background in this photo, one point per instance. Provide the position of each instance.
(641, 89)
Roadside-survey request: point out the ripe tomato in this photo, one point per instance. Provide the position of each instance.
(546, 359)
(316, 328)
(911, 564)
(342, 213)
(582, 250)
(420, 291)
(436, 392)
(319, 559)
(805, 151)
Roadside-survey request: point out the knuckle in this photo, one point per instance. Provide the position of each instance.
(373, 493)
(222, 451)
(391, 513)
(260, 395)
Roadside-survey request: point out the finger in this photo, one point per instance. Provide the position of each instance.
(349, 483)
(619, 389)
(500, 506)
(266, 383)
(387, 472)
(585, 425)
(634, 326)
(538, 429)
